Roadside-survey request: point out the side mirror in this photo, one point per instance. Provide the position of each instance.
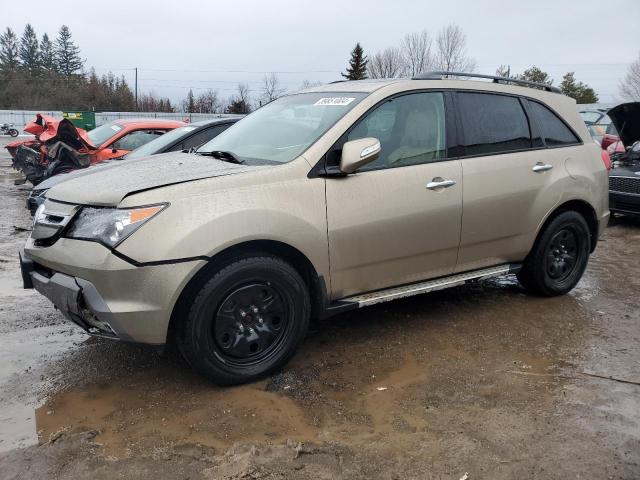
(358, 153)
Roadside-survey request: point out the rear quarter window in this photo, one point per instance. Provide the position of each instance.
(492, 123)
(554, 131)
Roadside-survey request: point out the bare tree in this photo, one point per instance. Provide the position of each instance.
(309, 84)
(386, 64)
(451, 51)
(208, 102)
(630, 86)
(416, 53)
(504, 71)
(271, 88)
(239, 103)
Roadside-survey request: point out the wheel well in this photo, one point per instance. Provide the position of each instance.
(293, 256)
(584, 209)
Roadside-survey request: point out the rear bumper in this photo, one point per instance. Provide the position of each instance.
(104, 294)
(624, 203)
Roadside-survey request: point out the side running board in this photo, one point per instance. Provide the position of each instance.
(371, 298)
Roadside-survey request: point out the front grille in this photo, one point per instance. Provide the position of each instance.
(624, 184)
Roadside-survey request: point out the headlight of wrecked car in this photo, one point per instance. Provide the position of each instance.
(110, 226)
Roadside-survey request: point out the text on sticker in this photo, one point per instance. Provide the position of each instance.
(339, 101)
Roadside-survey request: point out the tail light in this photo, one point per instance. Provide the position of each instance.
(606, 159)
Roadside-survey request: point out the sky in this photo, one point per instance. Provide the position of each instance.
(177, 45)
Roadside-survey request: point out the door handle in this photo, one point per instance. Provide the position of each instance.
(438, 182)
(542, 167)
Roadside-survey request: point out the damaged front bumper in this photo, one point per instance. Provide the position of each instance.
(77, 299)
(104, 294)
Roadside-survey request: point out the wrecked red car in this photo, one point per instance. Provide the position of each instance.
(59, 146)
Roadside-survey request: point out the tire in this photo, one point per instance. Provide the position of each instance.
(559, 257)
(246, 320)
(13, 132)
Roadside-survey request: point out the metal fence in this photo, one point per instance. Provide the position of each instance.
(21, 117)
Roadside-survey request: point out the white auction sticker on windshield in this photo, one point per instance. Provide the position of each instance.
(338, 101)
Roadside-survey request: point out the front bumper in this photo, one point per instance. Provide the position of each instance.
(104, 294)
(628, 203)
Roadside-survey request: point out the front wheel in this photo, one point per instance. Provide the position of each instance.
(559, 257)
(246, 321)
(13, 132)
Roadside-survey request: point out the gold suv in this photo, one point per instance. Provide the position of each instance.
(331, 199)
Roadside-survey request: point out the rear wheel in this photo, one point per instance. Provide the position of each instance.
(559, 256)
(13, 132)
(246, 321)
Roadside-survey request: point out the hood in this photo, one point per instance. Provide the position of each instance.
(109, 184)
(46, 128)
(626, 118)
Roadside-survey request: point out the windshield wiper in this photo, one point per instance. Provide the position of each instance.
(224, 156)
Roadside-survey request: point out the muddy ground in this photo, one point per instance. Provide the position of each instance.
(481, 379)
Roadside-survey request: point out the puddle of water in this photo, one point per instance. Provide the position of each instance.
(20, 352)
(131, 420)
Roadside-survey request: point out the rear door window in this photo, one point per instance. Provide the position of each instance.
(492, 124)
(554, 131)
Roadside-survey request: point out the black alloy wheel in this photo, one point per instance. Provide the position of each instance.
(246, 320)
(559, 256)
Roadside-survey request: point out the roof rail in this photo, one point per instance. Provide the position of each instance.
(440, 75)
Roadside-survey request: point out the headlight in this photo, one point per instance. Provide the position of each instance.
(38, 193)
(36, 215)
(110, 226)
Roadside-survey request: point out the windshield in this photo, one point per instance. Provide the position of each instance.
(283, 129)
(159, 144)
(99, 135)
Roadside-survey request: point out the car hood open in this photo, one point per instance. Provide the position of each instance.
(109, 184)
(626, 119)
(46, 128)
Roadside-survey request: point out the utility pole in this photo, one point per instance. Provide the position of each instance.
(136, 69)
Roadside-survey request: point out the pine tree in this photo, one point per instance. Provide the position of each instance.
(124, 95)
(579, 91)
(237, 105)
(94, 91)
(29, 50)
(190, 103)
(67, 54)
(535, 74)
(47, 55)
(357, 69)
(9, 56)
